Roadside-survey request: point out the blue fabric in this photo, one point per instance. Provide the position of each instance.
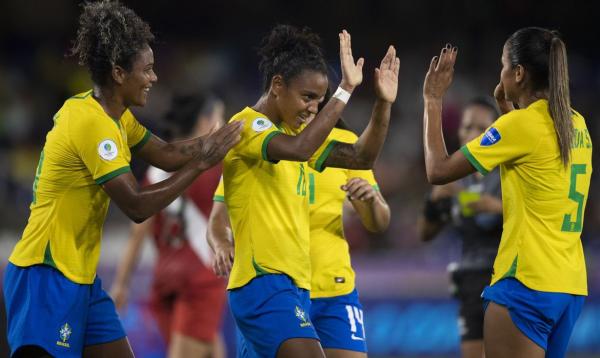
(339, 322)
(46, 309)
(547, 318)
(269, 310)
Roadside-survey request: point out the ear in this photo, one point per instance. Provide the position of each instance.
(118, 74)
(519, 74)
(277, 85)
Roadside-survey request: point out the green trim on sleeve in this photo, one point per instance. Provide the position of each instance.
(142, 142)
(324, 155)
(219, 198)
(115, 173)
(376, 187)
(83, 95)
(265, 143)
(473, 160)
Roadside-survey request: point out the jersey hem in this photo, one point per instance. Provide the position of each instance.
(578, 292)
(331, 294)
(321, 161)
(473, 160)
(39, 261)
(115, 173)
(142, 142)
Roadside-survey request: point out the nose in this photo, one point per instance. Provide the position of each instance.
(153, 77)
(313, 107)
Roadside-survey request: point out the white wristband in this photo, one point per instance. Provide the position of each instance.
(342, 95)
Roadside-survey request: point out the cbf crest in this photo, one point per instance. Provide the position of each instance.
(304, 322)
(64, 333)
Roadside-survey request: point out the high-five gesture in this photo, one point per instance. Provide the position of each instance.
(352, 75)
(386, 76)
(439, 76)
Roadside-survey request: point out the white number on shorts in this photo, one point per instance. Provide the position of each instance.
(355, 315)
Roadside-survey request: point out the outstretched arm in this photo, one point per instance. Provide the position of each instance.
(364, 153)
(302, 146)
(441, 168)
(141, 203)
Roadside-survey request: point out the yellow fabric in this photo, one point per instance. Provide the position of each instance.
(543, 201)
(332, 273)
(267, 204)
(84, 149)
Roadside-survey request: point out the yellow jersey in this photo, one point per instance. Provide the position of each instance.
(267, 203)
(543, 202)
(84, 149)
(332, 273)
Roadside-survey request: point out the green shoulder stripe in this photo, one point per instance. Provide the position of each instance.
(115, 173)
(265, 143)
(473, 160)
(324, 155)
(142, 142)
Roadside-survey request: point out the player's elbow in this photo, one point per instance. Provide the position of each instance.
(436, 176)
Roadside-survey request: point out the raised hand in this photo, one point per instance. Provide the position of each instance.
(441, 71)
(352, 75)
(386, 76)
(216, 145)
(503, 104)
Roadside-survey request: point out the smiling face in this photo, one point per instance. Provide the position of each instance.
(136, 84)
(297, 101)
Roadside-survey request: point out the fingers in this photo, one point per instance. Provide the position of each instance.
(360, 63)
(396, 68)
(433, 64)
(359, 189)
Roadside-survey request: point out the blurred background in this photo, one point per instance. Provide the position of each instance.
(210, 45)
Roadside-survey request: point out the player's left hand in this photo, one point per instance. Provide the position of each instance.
(441, 71)
(386, 76)
(487, 204)
(359, 189)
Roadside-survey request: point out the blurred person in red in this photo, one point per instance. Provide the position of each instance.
(187, 298)
(473, 207)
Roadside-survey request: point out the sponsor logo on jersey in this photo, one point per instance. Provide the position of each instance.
(261, 124)
(107, 149)
(490, 137)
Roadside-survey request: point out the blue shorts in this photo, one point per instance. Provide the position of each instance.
(269, 310)
(339, 322)
(46, 309)
(547, 318)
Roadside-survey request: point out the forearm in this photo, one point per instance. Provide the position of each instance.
(433, 139)
(219, 227)
(371, 140)
(132, 253)
(170, 156)
(374, 214)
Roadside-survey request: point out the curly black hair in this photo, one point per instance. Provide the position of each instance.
(287, 51)
(109, 34)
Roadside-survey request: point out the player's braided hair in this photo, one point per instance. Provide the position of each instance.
(109, 34)
(544, 56)
(287, 51)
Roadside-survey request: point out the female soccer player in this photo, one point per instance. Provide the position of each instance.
(335, 309)
(265, 184)
(54, 301)
(187, 298)
(473, 206)
(544, 152)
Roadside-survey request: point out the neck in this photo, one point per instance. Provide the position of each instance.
(111, 102)
(528, 97)
(265, 106)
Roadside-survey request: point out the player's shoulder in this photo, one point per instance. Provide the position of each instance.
(254, 121)
(343, 135)
(80, 110)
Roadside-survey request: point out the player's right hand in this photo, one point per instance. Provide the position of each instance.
(223, 260)
(441, 71)
(500, 97)
(352, 75)
(216, 145)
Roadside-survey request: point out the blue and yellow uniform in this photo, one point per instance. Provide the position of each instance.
(53, 267)
(335, 311)
(544, 201)
(267, 202)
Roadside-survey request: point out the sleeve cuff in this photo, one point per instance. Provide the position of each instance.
(319, 165)
(219, 198)
(142, 142)
(265, 143)
(473, 160)
(115, 173)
